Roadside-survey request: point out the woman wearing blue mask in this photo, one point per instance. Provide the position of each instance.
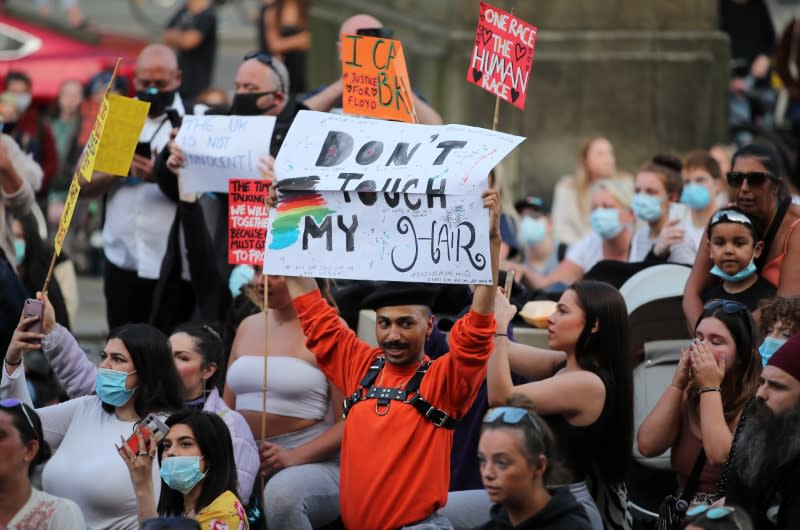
(198, 473)
(736, 243)
(136, 377)
(780, 320)
(702, 187)
(610, 239)
(658, 184)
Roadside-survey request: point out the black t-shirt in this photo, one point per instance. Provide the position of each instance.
(750, 297)
(282, 123)
(196, 64)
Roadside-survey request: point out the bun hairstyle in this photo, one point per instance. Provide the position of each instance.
(668, 167)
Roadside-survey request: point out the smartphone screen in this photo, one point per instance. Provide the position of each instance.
(677, 210)
(143, 149)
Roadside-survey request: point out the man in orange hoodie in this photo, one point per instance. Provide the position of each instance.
(395, 466)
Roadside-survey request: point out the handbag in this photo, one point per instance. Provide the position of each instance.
(672, 511)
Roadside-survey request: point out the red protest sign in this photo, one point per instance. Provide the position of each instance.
(247, 221)
(503, 55)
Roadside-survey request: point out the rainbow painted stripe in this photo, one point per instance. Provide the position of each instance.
(293, 207)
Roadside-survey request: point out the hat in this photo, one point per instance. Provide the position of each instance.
(787, 358)
(533, 203)
(100, 81)
(388, 294)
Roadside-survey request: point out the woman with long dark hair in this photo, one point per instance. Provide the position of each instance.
(198, 473)
(283, 32)
(588, 401)
(716, 377)
(136, 377)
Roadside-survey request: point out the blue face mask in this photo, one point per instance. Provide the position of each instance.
(532, 231)
(695, 196)
(646, 207)
(110, 386)
(605, 222)
(768, 348)
(181, 473)
(19, 249)
(739, 276)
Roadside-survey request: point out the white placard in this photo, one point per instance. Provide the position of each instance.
(219, 148)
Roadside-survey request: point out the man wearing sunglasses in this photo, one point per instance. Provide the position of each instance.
(764, 465)
(138, 214)
(329, 98)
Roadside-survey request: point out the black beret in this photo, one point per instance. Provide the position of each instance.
(388, 294)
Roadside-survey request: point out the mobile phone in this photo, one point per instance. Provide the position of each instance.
(34, 308)
(144, 149)
(174, 117)
(677, 210)
(150, 425)
(382, 33)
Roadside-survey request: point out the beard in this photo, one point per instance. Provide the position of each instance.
(767, 442)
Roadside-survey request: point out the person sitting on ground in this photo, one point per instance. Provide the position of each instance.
(136, 377)
(300, 447)
(757, 186)
(698, 412)
(736, 242)
(22, 506)
(588, 398)
(610, 239)
(764, 463)
(381, 485)
(517, 458)
(780, 320)
(702, 188)
(572, 193)
(198, 475)
(198, 353)
(658, 185)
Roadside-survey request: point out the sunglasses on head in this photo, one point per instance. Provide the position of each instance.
(265, 59)
(729, 307)
(712, 513)
(754, 178)
(10, 404)
(729, 216)
(511, 416)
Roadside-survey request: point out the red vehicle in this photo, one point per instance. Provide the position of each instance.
(50, 53)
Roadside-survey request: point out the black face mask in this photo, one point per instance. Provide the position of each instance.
(245, 104)
(158, 100)
(8, 127)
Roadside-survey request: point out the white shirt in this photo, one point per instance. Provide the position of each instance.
(85, 466)
(139, 216)
(43, 511)
(587, 252)
(683, 252)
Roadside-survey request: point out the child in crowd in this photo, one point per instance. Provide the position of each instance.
(780, 319)
(735, 243)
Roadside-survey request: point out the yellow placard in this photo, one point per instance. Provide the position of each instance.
(93, 145)
(121, 131)
(66, 215)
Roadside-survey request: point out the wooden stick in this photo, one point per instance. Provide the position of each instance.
(75, 175)
(266, 349)
(496, 113)
(509, 284)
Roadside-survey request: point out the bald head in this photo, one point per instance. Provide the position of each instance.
(357, 22)
(157, 55)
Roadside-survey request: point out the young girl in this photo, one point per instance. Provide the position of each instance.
(735, 245)
(780, 319)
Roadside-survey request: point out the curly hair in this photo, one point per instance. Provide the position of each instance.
(783, 308)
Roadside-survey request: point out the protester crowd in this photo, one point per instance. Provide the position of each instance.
(463, 426)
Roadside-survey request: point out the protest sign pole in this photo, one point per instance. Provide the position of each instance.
(266, 350)
(49, 276)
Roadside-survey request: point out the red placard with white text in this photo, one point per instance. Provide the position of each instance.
(247, 221)
(502, 56)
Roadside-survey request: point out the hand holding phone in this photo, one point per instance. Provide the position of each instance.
(34, 308)
(152, 431)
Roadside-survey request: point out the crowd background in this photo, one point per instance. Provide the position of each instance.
(605, 219)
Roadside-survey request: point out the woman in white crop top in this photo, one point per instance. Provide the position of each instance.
(299, 453)
(136, 377)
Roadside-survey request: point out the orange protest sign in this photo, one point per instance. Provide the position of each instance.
(375, 79)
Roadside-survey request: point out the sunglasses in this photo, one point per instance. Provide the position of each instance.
(10, 404)
(731, 216)
(511, 416)
(711, 513)
(729, 307)
(754, 178)
(266, 59)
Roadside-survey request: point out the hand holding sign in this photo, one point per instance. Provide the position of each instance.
(502, 55)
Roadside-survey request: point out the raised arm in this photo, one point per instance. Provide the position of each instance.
(660, 429)
(699, 280)
(483, 298)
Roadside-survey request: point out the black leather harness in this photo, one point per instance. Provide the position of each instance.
(384, 396)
